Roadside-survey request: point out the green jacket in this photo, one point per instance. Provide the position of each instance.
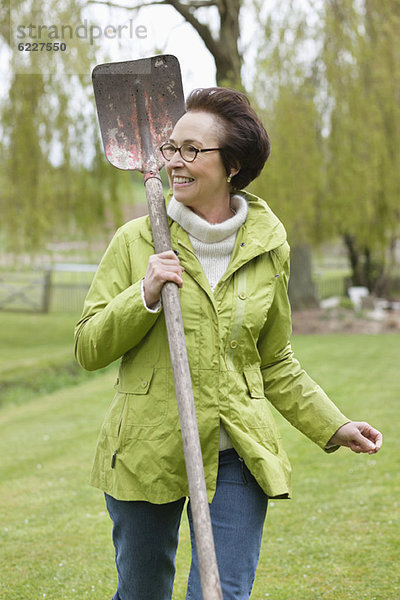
(240, 359)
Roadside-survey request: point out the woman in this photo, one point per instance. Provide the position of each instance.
(231, 261)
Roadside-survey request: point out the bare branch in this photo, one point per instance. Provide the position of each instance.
(115, 5)
(204, 4)
(203, 30)
(187, 10)
(193, 4)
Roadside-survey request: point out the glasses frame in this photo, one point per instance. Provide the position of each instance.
(197, 150)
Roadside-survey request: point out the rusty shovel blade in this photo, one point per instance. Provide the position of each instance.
(138, 103)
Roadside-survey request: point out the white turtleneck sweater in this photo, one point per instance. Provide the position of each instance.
(213, 245)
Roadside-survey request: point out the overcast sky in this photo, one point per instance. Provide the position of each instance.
(168, 32)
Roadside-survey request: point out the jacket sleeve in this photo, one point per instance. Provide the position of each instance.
(287, 386)
(114, 319)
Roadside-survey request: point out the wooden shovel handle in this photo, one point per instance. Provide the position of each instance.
(210, 581)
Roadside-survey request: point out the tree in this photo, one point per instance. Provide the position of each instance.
(54, 177)
(223, 46)
(334, 116)
(362, 58)
(287, 87)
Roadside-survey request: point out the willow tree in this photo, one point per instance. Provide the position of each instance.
(287, 88)
(334, 115)
(54, 180)
(362, 58)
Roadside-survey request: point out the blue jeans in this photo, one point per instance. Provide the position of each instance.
(146, 535)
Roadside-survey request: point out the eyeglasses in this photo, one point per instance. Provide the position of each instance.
(187, 151)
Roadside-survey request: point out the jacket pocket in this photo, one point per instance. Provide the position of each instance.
(253, 413)
(146, 409)
(254, 382)
(134, 381)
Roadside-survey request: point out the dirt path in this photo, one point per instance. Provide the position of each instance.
(341, 320)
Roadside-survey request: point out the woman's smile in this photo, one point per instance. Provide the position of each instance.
(181, 181)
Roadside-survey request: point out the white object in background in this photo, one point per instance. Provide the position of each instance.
(356, 293)
(331, 302)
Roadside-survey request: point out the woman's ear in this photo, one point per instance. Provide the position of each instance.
(232, 172)
(234, 169)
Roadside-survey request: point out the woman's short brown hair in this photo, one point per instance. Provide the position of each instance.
(246, 143)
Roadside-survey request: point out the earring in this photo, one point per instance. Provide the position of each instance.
(229, 178)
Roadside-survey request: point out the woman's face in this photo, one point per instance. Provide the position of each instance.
(201, 184)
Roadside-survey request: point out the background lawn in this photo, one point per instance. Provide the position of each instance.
(37, 355)
(26, 338)
(338, 538)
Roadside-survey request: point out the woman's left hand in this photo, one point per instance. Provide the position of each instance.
(358, 436)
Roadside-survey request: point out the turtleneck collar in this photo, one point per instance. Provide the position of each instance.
(202, 229)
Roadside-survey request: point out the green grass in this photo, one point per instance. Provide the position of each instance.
(36, 355)
(337, 539)
(339, 536)
(27, 338)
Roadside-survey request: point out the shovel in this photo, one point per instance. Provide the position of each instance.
(138, 103)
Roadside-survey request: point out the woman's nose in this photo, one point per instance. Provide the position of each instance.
(176, 160)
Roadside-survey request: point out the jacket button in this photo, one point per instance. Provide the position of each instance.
(144, 384)
(242, 296)
(234, 344)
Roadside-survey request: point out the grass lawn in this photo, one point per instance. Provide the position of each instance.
(26, 338)
(337, 539)
(36, 355)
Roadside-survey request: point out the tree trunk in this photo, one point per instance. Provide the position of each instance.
(302, 291)
(366, 270)
(357, 272)
(228, 60)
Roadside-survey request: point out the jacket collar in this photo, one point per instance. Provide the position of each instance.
(261, 232)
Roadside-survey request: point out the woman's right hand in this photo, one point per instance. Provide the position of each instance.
(359, 436)
(161, 268)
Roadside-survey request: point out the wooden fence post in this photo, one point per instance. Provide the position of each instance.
(46, 291)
